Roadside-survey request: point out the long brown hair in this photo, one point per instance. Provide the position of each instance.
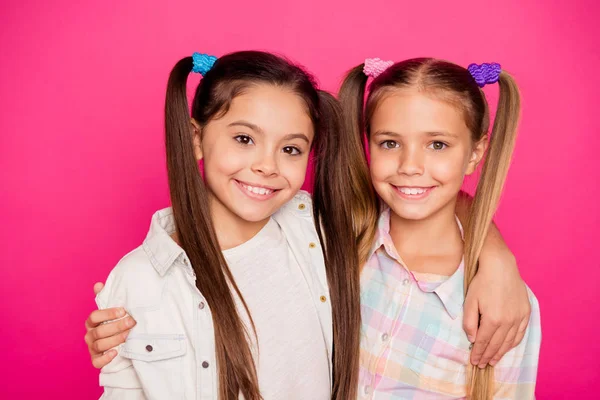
(454, 84)
(334, 159)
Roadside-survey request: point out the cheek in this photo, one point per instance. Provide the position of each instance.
(449, 168)
(223, 160)
(294, 171)
(382, 166)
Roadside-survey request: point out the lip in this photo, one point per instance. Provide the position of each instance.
(255, 196)
(426, 192)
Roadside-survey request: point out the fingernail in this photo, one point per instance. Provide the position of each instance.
(129, 322)
(125, 335)
(475, 361)
(112, 353)
(120, 312)
(482, 366)
(471, 338)
(493, 363)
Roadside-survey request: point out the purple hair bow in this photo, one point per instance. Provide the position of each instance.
(485, 73)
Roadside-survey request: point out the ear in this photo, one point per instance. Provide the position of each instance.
(477, 154)
(197, 138)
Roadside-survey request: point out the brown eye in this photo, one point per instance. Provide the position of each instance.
(438, 145)
(292, 151)
(244, 139)
(389, 144)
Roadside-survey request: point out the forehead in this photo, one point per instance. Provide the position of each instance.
(272, 108)
(411, 110)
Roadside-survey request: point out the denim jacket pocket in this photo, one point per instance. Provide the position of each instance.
(158, 362)
(154, 347)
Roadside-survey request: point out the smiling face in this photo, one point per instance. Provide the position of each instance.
(421, 150)
(255, 155)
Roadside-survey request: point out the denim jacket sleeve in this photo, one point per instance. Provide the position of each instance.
(118, 377)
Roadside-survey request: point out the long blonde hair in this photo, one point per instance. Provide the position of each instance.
(454, 84)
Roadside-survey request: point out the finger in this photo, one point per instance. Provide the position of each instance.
(105, 331)
(493, 346)
(99, 316)
(505, 347)
(102, 360)
(112, 328)
(471, 318)
(486, 331)
(98, 286)
(521, 332)
(100, 346)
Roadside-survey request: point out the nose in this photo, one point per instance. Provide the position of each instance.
(266, 164)
(411, 161)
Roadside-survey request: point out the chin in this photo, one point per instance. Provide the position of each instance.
(253, 215)
(411, 213)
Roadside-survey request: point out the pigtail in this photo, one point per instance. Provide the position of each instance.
(365, 208)
(489, 190)
(195, 232)
(339, 170)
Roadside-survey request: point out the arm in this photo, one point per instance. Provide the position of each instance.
(497, 306)
(118, 375)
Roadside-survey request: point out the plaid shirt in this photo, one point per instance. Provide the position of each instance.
(413, 345)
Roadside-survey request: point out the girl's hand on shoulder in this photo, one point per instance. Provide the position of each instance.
(497, 309)
(105, 330)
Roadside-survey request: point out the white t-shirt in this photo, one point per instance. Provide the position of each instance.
(291, 356)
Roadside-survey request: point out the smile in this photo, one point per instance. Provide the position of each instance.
(413, 192)
(256, 191)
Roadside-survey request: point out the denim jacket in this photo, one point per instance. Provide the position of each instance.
(170, 353)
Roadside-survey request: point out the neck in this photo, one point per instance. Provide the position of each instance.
(432, 244)
(232, 230)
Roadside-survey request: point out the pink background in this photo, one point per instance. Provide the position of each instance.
(82, 164)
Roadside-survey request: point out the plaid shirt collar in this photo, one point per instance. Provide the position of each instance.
(450, 291)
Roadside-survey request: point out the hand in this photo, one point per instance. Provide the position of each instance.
(103, 336)
(497, 311)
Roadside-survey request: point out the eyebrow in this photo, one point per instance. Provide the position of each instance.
(296, 136)
(247, 124)
(430, 134)
(434, 134)
(386, 133)
(256, 128)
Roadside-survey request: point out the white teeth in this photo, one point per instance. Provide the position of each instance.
(412, 191)
(257, 190)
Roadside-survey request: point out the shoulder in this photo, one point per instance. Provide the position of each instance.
(128, 281)
(535, 325)
(153, 257)
(133, 265)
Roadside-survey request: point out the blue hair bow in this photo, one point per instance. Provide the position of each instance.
(203, 63)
